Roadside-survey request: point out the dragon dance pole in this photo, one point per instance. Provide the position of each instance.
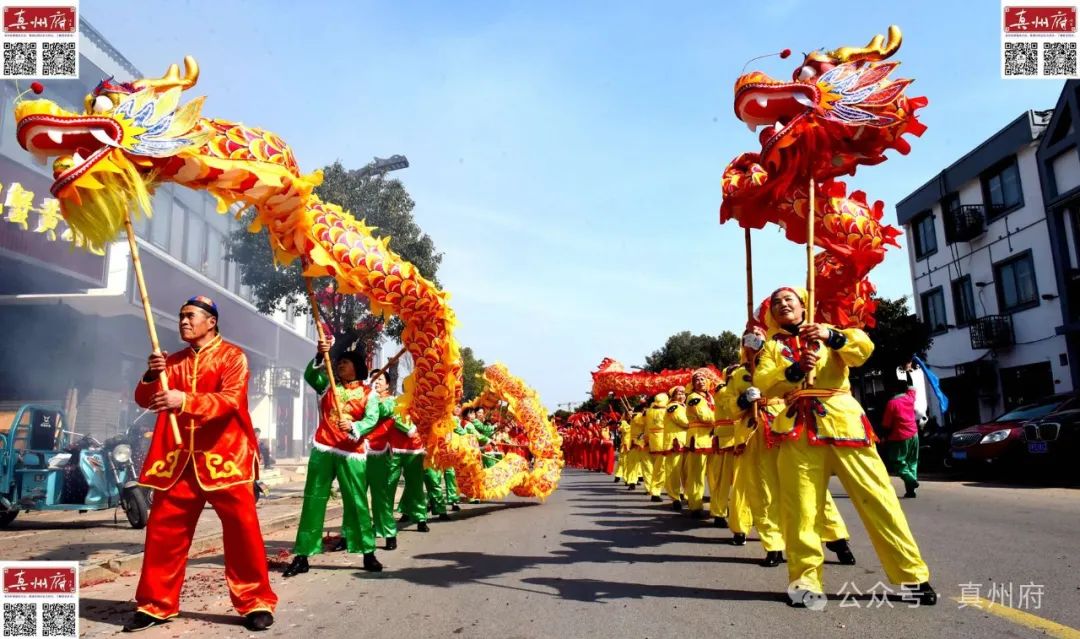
(315, 315)
(150, 327)
(749, 277)
(389, 363)
(810, 269)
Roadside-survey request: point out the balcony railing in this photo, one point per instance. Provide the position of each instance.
(965, 223)
(992, 331)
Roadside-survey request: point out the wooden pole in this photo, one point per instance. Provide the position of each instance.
(150, 328)
(389, 363)
(810, 274)
(749, 277)
(317, 317)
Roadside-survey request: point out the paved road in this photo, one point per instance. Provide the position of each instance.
(598, 561)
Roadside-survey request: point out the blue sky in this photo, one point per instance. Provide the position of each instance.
(566, 156)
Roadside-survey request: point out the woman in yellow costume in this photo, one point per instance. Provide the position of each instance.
(658, 449)
(624, 471)
(756, 475)
(675, 425)
(640, 461)
(699, 440)
(825, 432)
(720, 467)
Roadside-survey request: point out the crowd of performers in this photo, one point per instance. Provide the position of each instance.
(764, 444)
(361, 442)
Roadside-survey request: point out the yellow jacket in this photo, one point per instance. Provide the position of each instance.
(837, 416)
(637, 431)
(624, 436)
(700, 414)
(675, 425)
(654, 424)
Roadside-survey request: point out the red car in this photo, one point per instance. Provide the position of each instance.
(1001, 440)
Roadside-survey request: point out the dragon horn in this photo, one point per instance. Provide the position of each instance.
(172, 77)
(878, 49)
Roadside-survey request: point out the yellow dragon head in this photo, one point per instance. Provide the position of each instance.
(107, 157)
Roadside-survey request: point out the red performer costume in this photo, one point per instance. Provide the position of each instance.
(216, 463)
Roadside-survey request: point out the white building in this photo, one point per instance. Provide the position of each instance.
(74, 331)
(984, 277)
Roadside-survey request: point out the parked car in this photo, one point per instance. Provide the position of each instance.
(1052, 443)
(1001, 440)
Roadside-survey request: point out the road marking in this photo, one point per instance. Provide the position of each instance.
(1026, 619)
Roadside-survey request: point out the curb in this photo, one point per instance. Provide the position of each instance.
(111, 569)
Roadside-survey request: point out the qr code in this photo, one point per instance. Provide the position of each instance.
(1021, 58)
(1059, 58)
(20, 620)
(58, 620)
(20, 58)
(58, 58)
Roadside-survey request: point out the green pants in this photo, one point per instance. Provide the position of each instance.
(382, 494)
(450, 478)
(436, 498)
(413, 503)
(902, 458)
(351, 474)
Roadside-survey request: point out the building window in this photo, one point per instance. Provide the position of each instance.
(922, 228)
(1001, 189)
(933, 308)
(195, 246)
(215, 263)
(1016, 285)
(963, 300)
(159, 226)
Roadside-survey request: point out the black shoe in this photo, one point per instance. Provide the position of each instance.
(258, 620)
(676, 506)
(631, 486)
(422, 527)
(697, 514)
(391, 543)
(340, 546)
(739, 539)
(842, 550)
(922, 593)
(474, 501)
(720, 522)
(404, 520)
(617, 480)
(298, 566)
(910, 494)
(655, 498)
(371, 564)
(772, 559)
(455, 507)
(444, 517)
(142, 621)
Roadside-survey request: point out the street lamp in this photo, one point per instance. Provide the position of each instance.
(380, 166)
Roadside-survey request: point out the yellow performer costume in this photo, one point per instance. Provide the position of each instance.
(640, 461)
(621, 463)
(699, 441)
(731, 492)
(654, 437)
(824, 432)
(720, 468)
(675, 425)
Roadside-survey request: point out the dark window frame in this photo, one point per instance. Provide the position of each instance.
(993, 213)
(924, 297)
(997, 269)
(948, 203)
(963, 318)
(921, 252)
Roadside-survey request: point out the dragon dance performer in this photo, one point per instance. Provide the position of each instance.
(654, 434)
(484, 433)
(380, 465)
(338, 452)
(824, 432)
(675, 425)
(700, 414)
(407, 459)
(217, 463)
(727, 500)
(607, 450)
(640, 462)
(623, 469)
(449, 475)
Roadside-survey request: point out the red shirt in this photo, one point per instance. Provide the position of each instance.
(899, 422)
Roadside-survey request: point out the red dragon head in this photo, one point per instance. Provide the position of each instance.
(840, 110)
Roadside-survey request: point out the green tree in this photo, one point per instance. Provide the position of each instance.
(898, 335)
(382, 204)
(472, 371)
(685, 350)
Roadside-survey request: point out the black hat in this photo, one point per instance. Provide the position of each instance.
(356, 356)
(203, 302)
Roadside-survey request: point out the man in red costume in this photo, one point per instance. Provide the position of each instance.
(216, 463)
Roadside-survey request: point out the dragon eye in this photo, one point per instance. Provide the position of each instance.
(103, 103)
(807, 72)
